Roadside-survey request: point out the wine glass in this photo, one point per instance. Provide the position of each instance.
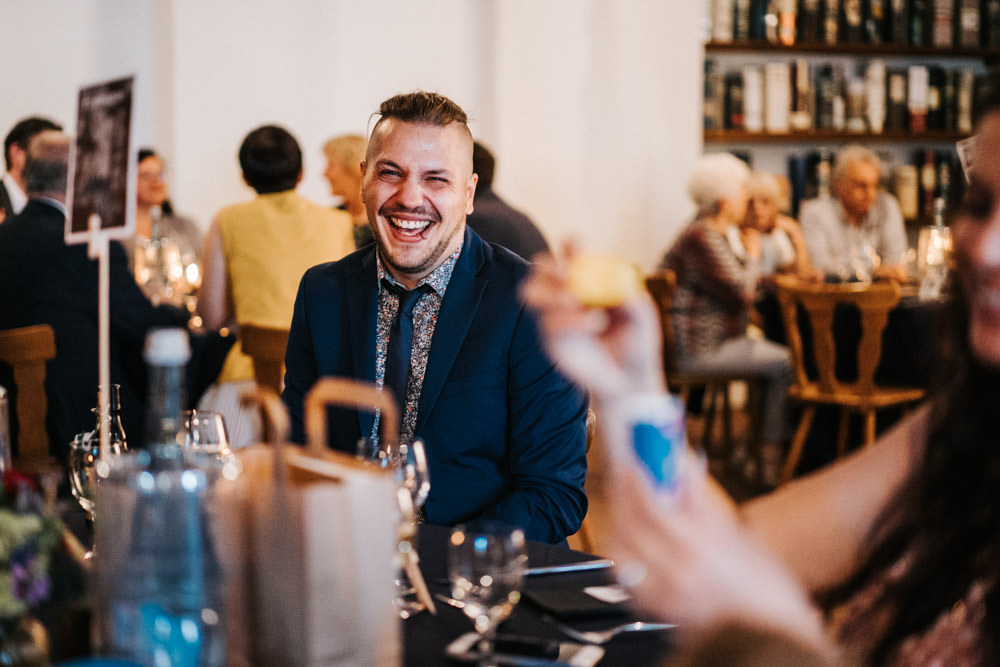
(409, 463)
(85, 454)
(486, 563)
(206, 440)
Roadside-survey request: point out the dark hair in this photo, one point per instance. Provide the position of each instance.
(47, 163)
(22, 133)
(484, 164)
(271, 159)
(946, 516)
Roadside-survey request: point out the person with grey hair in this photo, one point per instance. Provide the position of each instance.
(783, 250)
(858, 234)
(717, 280)
(49, 282)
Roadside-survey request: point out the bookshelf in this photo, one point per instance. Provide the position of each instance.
(830, 137)
(902, 144)
(988, 55)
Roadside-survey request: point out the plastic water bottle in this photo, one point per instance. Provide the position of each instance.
(160, 577)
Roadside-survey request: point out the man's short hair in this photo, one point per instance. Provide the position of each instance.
(484, 164)
(347, 150)
(421, 107)
(47, 163)
(850, 154)
(271, 159)
(22, 133)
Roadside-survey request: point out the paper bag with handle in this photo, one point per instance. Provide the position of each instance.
(320, 535)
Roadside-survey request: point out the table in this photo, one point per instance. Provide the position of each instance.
(425, 636)
(908, 342)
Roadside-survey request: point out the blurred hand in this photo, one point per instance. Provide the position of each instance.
(696, 564)
(895, 272)
(609, 351)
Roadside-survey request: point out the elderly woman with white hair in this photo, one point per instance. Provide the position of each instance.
(716, 288)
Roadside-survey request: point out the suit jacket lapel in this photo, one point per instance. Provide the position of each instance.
(461, 301)
(362, 316)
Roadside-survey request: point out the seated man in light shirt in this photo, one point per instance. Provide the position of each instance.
(858, 233)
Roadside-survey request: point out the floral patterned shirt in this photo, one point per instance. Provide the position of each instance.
(425, 314)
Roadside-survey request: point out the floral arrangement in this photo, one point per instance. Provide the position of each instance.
(37, 570)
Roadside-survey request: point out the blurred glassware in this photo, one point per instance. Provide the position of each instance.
(933, 259)
(85, 452)
(409, 463)
(159, 577)
(486, 564)
(206, 440)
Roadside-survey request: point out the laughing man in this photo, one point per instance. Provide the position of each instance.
(505, 433)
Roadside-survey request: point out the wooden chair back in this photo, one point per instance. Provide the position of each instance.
(661, 286)
(26, 349)
(819, 301)
(266, 346)
(862, 395)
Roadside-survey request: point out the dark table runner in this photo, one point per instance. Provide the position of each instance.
(426, 636)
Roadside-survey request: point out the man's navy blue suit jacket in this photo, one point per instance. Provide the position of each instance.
(505, 431)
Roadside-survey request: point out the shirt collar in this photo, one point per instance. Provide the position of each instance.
(437, 279)
(17, 197)
(54, 203)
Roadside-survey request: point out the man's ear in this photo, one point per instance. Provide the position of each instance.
(471, 194)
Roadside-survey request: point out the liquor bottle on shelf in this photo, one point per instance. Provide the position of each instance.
(875, 21)
(967, 30)
(852, 24)
(809, 26)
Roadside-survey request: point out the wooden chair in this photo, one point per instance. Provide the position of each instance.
(266, 346)
(862, 396)
(26, 349)
(661, 286)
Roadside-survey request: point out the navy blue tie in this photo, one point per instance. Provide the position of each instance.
(397, 356)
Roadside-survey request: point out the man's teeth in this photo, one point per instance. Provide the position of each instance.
(409, 224)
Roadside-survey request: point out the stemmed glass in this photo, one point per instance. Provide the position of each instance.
(206, 440)
(486, 563)
(84, 459)
(409, 462)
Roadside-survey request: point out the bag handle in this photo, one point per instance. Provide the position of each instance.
(275, 421)
(349, 393)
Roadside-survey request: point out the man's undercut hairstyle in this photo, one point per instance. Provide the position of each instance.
(422, 107)
(271, 159)
(47, 163)
(23, 132)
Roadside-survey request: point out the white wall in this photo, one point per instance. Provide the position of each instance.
(592, 106)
